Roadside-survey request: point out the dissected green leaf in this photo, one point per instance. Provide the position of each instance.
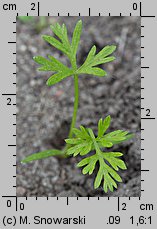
(86, 149)
(90, 163)
(82, 133)
(73, 141)
(98, 178)
(76, 37)
(109, 176)
(92, 71)
(57, 44)
(56, 78)
(105, 172)
(53, 65)
(42, 155)
(46, 64)
(82, 149)
(84, 161)
(103, 125)
(115, 162)
(117, 136)
(105, 52)
(62, 43)
(108, 162)
(84, 141)
(105, 143)
(50, 65)
(91, 54)
(61, 33)
(92, 60)
(109, 183)
(82, 144)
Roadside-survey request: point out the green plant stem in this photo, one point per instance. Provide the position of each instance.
(76, 101)
(76, 95)
(98, 151)
(73, 122)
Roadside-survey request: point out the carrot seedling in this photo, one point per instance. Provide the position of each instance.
(82, 141)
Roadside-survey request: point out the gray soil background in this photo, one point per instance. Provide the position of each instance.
(44, 113)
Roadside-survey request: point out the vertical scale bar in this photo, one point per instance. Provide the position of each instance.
(141, 95)
(14, 155)
(38, 9)
(14, 135)
(140, 9)
(118, 204)
(13, 104)
(16, 203)
(67, 201)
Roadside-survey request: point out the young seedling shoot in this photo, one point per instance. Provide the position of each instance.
(82, 141)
